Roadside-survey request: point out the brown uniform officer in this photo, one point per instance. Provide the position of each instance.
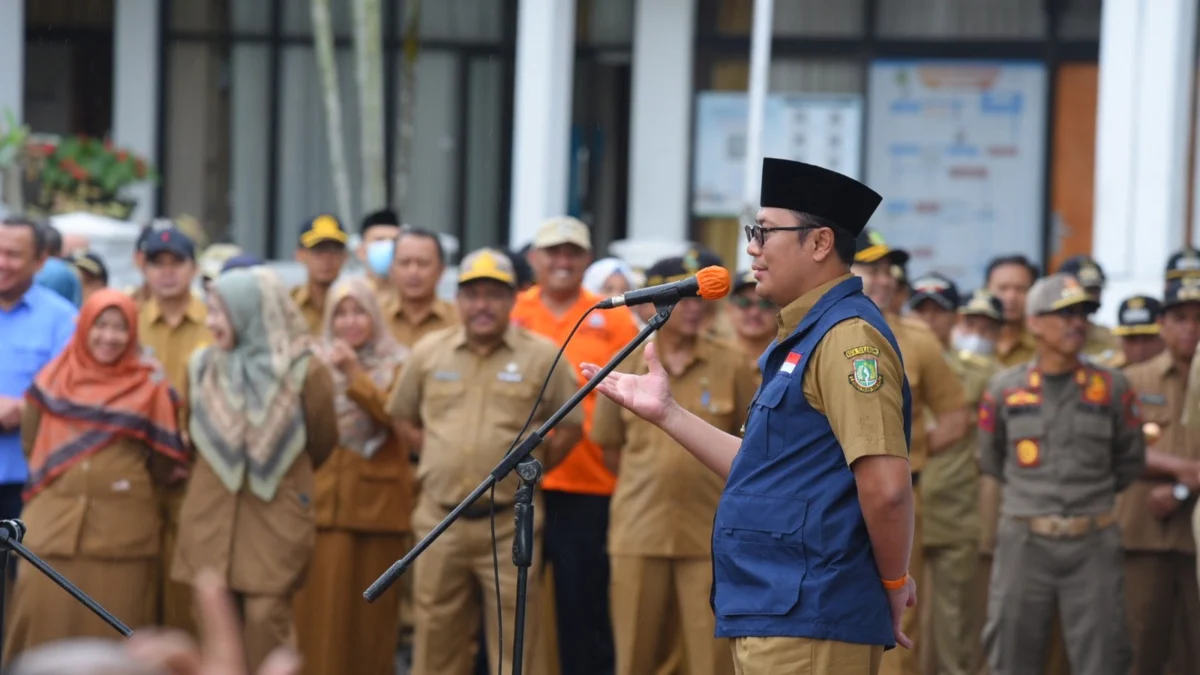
(950, 483)
(1009, 278)
(322, 251)
(414, 310)
(1138, 330)
(1064, 437)
(1101, 345)
(660, 527)
(1155, 513)
(461, 400)
(939, 411)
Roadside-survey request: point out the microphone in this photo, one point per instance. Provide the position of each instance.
(12, 530)
(710, 283)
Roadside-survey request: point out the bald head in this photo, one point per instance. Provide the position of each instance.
(80, 657)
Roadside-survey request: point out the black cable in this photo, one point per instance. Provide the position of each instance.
(492, 508)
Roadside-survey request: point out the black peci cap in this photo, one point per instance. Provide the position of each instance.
(810, 189)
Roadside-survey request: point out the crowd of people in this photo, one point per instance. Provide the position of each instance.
(296, 442)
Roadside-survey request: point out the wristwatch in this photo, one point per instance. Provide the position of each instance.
(1181, 492)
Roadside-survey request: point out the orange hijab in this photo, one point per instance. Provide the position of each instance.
(86, 405)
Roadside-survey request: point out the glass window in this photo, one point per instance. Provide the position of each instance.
(297, 17)
(604, 22)
(459, 20)
(220, 15)
(811, 76)
(249, 126)
(305, 181)
(795, 18)
(964, 19)
(1079, 20)
(485, 89)
(433, 166)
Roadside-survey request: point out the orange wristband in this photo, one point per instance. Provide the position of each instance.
(897, 584)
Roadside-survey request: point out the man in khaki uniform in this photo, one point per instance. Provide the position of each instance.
(322, 251)
(462, 398)
(1101, 346)
(752, 317)
(950, 486)
(171, 325)
(1155, 513)
(939, 410)
(1138, 331)
(1009, 278)
(1064, 437)
(660, 527)
(414, 310)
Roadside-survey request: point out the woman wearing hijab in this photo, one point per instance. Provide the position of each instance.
(262, 420)
(363, 496)
(609, 277)
(100, 425)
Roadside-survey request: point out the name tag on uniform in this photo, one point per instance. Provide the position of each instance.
(1152, 399)
(445, 376)
(510, 374)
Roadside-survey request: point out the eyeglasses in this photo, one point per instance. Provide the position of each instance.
(758, 233)
(744, 302)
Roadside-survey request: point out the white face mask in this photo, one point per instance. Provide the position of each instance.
(976, 344)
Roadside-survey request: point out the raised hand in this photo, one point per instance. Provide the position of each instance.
(647, 396)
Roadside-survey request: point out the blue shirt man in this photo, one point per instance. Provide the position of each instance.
(812, 538)
(35, 324)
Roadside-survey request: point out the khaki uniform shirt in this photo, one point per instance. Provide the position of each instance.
(933, 383)
(1160, 388)
(666, 499)
(259, 548)
(173, 346)
(950, 483)
(1101, 345)
(865, 423)
(367, 495)
(314, 313)
(442, 315)
(103, 507)
(1022, 351)
(1062, 446)
(471, 407)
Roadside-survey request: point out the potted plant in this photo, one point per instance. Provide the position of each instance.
(80, 173)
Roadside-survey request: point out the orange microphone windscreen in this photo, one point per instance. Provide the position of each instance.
(714, 282)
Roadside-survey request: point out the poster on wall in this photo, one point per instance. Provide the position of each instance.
(825, 130)
(956, 148)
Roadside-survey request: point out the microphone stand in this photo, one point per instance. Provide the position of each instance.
(11, 534)
(529, 471)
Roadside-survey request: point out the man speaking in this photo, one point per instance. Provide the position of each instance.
(812, 535)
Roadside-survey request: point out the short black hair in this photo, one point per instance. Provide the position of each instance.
(38, 232)
(54, 240)
(421, 232)
(843, 241)
(1013, 259)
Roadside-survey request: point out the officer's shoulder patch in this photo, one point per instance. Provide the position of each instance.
(987, 413)
(860, 351)
(865, 375)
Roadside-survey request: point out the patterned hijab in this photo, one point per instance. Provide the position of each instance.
(247, 420)
(87, 406)
(379, 356)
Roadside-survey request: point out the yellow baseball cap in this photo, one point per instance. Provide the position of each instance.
(489, 264)
(321, 229)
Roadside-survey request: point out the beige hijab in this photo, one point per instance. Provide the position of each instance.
(247, 420)
(380, 357)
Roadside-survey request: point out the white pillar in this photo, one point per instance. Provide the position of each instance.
(1147, 66)
(12, 62)
(541, 115)
(660, 110)
(135, 89)
(760, 68)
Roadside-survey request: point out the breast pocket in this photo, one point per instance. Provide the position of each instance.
(443, 396)
(759, 559)
(1092, 451)
(763, 426)
(26, 361)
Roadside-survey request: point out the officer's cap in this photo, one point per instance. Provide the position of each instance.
(744, 280)
(983, 303)
(1138, 315)
(1058, 292)
(810, 189)
(1086, 270)
(937, 288)
(321, 229)
(91, 264)
(1185, 263)
(870, 246)
(1181, 291)
(487, 264)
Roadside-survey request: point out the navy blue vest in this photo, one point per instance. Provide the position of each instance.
(791, 555)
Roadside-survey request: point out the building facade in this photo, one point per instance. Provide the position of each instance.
(626, 114)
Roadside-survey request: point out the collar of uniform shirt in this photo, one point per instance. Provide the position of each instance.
(789, 317)
(194, 311)
(1164, 364)
(459, 339)
(394, 308)
(702, 351)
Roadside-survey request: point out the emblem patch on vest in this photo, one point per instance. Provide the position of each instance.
(1029, 454)
(865, 377)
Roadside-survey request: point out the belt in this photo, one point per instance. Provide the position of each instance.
(482, 509)
(1066, 527)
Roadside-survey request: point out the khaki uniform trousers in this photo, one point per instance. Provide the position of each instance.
(803, 656)
(951, 642)
(648, 594)
(171, 600)
(901, 661)
(1162, 591)
(454, 581)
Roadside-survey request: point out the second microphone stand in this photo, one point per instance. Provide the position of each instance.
(529, 471)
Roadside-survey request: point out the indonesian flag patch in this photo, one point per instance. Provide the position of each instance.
(789, 364)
